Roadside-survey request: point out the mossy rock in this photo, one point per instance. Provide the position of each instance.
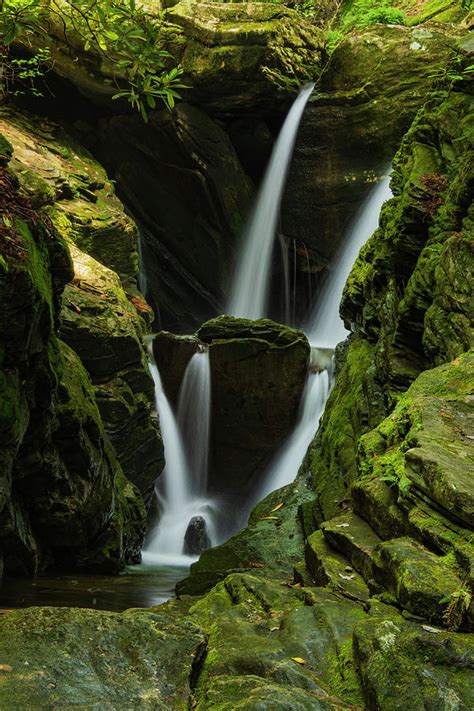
(60, 175)
(77, 658)
(269, 546)
(59, 501)
(265, 638)
(333, 570)
(252, 364)
(355, 402)
(402, 664)
(104, 328)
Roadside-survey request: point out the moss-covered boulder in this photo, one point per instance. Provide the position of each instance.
(98, 320)
(104, 328)
(258, 372)
(77, 658)
(59, 174)
(64, 500)
(232, 54)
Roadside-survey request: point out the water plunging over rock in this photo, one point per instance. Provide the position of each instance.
(182, 486)
(248, 296)
(284, 467)
(326, 328)
(194, 418)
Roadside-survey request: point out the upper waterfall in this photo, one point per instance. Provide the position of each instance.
(249, 291)
(326, 328)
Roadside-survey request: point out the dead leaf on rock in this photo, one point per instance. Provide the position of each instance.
(277, 508)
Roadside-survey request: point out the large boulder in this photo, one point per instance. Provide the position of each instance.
(258, 372)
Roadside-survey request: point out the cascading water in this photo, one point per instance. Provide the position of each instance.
(249, 291)
(325, 331)
(326, 328)
(194, 418)
(180, 497)
(286, 463)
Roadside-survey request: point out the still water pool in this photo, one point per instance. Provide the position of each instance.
(138, 586)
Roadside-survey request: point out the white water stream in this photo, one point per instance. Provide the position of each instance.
(324, 331)
(326, 328)
(181, 488)
(194, 419)
(249, 292)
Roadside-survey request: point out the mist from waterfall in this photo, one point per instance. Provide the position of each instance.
(326, 328)
(181, 488)
(249, 291)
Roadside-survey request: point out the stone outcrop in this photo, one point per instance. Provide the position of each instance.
(102, 323)
(395, 291)
(374, 83)
(232, 54)
(180, 176)
(64, 499)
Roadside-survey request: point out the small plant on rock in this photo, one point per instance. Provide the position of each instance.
(120, 32)
(458, 605)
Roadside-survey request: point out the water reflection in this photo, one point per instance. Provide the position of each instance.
(138, 586)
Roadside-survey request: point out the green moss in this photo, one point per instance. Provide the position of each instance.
(352, 405)
(6, 148)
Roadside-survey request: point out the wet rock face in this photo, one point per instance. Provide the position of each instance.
(64, 500)
(103, 327)
(253, 363)
(182, 180)
(196, 539)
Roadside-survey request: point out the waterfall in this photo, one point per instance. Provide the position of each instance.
(180, 497)
(326, 328)
(194, 418)
(285, 262)
(248, 297)
(288, 459)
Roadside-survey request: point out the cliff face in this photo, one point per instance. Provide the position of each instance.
(66, 499)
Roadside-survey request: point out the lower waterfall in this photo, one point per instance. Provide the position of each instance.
(181, 495)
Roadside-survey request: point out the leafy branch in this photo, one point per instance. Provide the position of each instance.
(122, 32)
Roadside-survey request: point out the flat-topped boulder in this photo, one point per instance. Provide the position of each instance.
(258, 372)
